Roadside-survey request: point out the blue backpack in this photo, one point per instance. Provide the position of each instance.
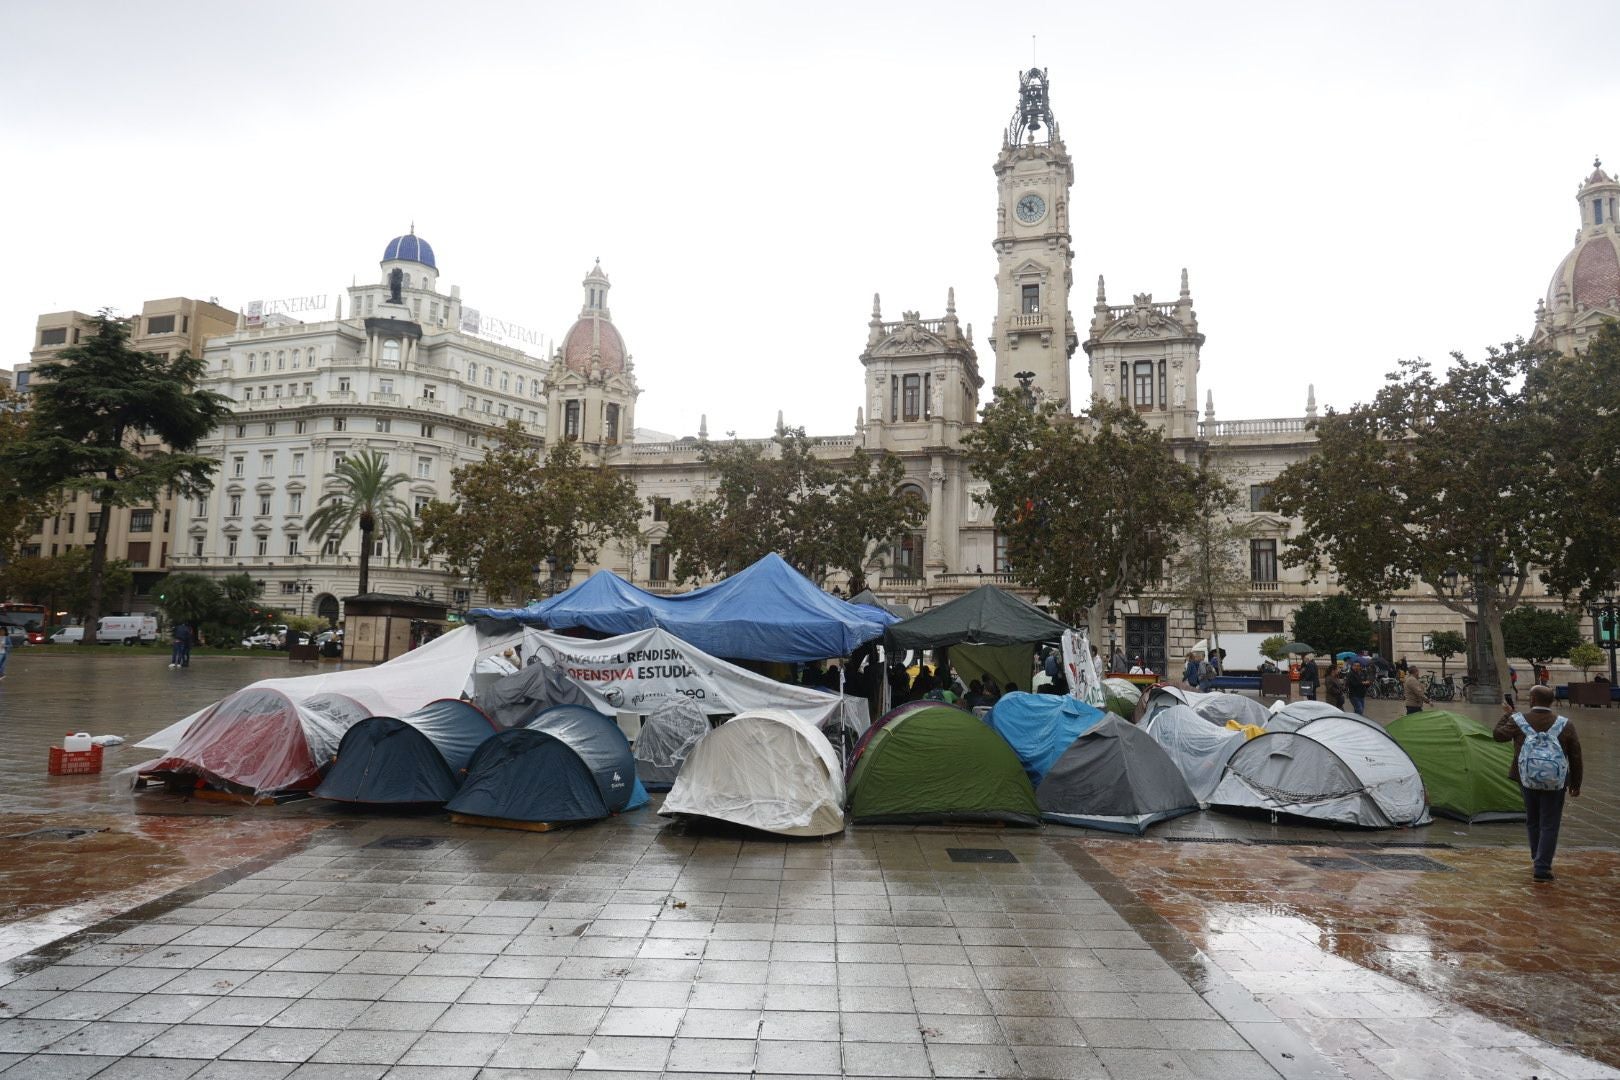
(1543, 765)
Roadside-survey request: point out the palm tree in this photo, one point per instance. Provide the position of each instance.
(365, 496)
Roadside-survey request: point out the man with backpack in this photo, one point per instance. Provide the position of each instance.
(1546, 764)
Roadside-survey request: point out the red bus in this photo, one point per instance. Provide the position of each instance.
(24, 619)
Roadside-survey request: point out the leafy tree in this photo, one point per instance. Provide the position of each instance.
(1439, 472)
(1445, 644)
(364, 497)
(239, 611)
(514, 510)
(62, 582)
(1539, 634)
(1091, 508)
(821, 516)
(1210, 566)
(1333, 624)
(1274, 648)
(92, 405)
(19, 508)
(190, 598)
(1586, 656)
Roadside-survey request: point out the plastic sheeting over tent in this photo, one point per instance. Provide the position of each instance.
(1295, 715)
(1464, 769)
(1199, 749)
(1114, 777)
(985, 616)
(568, 765)
(768, 611)
(765, 770)
(1121, 697)
(261, 741)
(940, 763)
(641, 671)
(1332, 769)
(1217, 707)
(667, 736)
(441, 668)
(1040, 727)
(415, 758)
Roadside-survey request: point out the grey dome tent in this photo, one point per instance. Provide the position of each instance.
(667, 735)
(1332, 769)
(570, 764)
(1199, 749)
(1217, 707)
(1114, 777)
(1297, 714)
(766, 770)
(415, 758)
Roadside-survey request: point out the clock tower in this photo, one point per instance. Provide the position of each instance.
(1034, 333)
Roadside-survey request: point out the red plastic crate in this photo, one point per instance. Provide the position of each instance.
(76, 763)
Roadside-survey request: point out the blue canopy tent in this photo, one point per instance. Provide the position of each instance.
(768, 611)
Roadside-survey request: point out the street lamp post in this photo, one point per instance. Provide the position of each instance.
(1605, 613)
(1384, 628)
(1113, 621)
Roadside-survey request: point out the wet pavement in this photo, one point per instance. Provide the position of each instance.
(288, 941)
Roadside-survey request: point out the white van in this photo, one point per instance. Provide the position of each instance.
(68, 635)
(127, 629)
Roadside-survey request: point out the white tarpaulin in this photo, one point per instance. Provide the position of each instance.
(1217, 707)
(637, 672)
(1198, 748)
(439, 669)
(1084, 682)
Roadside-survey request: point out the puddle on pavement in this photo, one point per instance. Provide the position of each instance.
(1542, 959)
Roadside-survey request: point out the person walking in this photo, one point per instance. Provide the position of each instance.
(5, 651)
(1335, 685)
(1417, 698)
(182, 637)
(1309, 679)
(1546, 765)
(1355, 688)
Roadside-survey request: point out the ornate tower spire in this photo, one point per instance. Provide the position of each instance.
(1310, 401)
(1034, 110)
(1185, 292)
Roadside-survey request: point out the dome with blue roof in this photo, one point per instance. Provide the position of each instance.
(411, 248)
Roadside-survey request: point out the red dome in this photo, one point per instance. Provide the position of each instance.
(1597, 273)
(594, 335)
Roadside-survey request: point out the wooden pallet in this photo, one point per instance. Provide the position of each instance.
(502, 823)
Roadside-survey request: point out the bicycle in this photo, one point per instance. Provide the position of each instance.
(1440, 690)
(1387, 686)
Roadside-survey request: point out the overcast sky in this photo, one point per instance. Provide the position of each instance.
(1346, 186)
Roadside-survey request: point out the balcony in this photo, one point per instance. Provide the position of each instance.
(376, 398)
(1215, 429)
(1032, 321)
(432, 405)
(347, 396)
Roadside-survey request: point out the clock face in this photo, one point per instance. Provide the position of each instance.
(1031, 208)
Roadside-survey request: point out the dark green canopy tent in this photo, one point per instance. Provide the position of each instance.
(985, 616)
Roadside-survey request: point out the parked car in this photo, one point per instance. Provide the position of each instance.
(37, 637)
(68, 635)
(266, 637)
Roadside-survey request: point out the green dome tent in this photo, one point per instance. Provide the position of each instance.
(940, 763)
(1464, 770)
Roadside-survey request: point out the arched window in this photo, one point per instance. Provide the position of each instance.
(489, 376)
(407, 280)
(390, 350)
(281, 360)
(906, 555)
(506, 382)
(472, 373)
(520, 386)
(295, 358)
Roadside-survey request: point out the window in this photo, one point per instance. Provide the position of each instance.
(295, 358)
(241, 431)
(343, 384)
(139, 553)
(298, 464)
(377, 550)
(197, 547)
(201, 508)
(267, 464)
(281, 360)
(571, 420)
(1002, 564)
(658, 568)
(230, 547)
(70, 519)
(506, 382)
(489, 376)
(472, 403)
(429, 392)
(660, 508)
(386, 386)
(295, 502)
(338, 458)
(488, 404)
(331, 547)
(165, 521)
(894, 397)
(1262, 560)
(247, 393)
(234, 509)
(160, 324)
(278, 390)
(433, 311)
(427, 431)
(912, 403)
(253, 363)
(340, 423)
(534, 417)
(239, 466)
(472, 372)
(1260, 497)
(424, 468)
(270, 429)
(1143, 384)
(518, 389)
(1164, 400)
(1265, 626)
(289, 588)
(461, 597)
(92, 521)
(307, 388)
(292, 547)
(928, 396)
(261, 545)
(56, 335)
(500, 409)
(421, 503)
(1597, 211)
(264, 506)
(472, 438)
(611, 435)
(1030, 303)
(384, 424)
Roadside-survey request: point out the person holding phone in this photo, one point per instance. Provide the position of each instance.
(1546, 766)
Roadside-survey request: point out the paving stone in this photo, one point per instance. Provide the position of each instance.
(626, 1053)
(58, 1067)
(710, 1056)
(531, 1052)
(361, 1047)
(453, 1048)
(192, 1041)
(885, 1059)
(134, 1068)
(280, 1044)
